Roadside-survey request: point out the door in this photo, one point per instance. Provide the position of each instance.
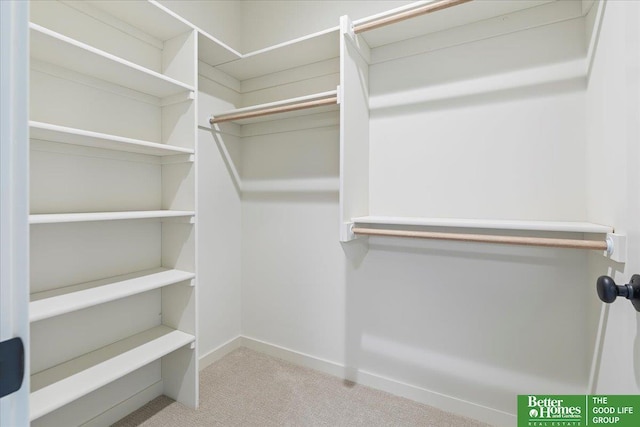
(14, 225)
(616, 71)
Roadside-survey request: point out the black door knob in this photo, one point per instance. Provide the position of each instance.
(608, 291)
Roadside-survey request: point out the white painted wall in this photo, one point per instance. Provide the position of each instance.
(219, 224)
(453, 142)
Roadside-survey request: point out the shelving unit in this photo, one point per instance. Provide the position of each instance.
(378, 56)
(289, 90)
(62, 384)
(53, 48)
(113, 123)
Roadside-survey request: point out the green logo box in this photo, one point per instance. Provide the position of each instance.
(541, 410)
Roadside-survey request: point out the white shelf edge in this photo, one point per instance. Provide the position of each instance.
(114, 59)
(105, 216)
(553, 226)
(308, 49)
(292, 42)
(62, 384)
(78, 297)
(218, 42)
(66, 135)
(313, 185)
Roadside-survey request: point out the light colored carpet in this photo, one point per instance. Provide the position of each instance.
(246, 388)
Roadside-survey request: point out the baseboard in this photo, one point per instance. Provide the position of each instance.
(123, 409)
(295, 357)
(428, 397)
(438, 400)
(219, 352)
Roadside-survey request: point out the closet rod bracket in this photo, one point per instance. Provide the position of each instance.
(346, 232)
(617, 247)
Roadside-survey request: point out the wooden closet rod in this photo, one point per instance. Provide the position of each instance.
(274, 110)
(481, 238)
(392, 19)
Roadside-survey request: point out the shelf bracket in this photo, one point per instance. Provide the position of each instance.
(347, 234)
(347, 27)
(178, 158)
(177, 99)
(347, 31)
(616, 247)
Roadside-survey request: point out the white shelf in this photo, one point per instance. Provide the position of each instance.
(59, 301)
(51, 47)
(62, 384)
(105, 216)
(553, 226)
(456, 16)
(85, 138)
(213, 52)
(305, 50)
(287, 102)
(149, 16)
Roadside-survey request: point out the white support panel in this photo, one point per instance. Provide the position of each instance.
(14, 197)
(304, 50)
(354, 128)
(64, 300)
(62, 384)
(85, 138)
(493, 224)
(105, 216)
(54, 48)
(180, 376)
(179, 58)
(263, 112)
